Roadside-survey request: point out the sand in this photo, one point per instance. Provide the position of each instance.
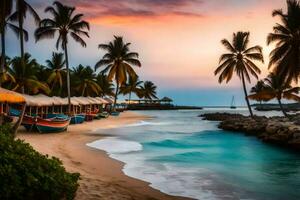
(101, 176)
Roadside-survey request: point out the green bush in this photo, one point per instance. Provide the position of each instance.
(26, 174)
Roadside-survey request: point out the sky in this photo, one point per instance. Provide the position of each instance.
(178, 41)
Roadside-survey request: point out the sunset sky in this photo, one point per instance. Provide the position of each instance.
(178, 40)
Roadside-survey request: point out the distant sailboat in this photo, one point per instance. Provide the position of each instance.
(232, 106)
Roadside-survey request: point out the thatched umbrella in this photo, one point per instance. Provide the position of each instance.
(7, 96)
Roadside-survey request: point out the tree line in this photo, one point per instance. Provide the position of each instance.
(24, 74)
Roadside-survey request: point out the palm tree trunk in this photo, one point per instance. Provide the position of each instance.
(116, 95)
(68, 77)
(246, 95)
(281, 107)
(22, 47)
(16, 126)
(2, 69)
(129, 97)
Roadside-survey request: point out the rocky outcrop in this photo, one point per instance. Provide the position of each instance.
(276, 130)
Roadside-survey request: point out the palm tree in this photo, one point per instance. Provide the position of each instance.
(277, 88)
(239, 60)
(133, 86)
(5, 11)
(22, 7)
(25, 76)
(285, 58)
(56, 66)
(66, 23)
(6, 77)
(85, 81)
(118, 62)
(148, 90)
(105, 84)
(258, 88)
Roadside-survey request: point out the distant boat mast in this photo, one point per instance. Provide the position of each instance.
(232, 106)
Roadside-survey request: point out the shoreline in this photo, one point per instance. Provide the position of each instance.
(101, 176)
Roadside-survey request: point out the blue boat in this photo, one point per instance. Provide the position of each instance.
(77, 118)
(115, 113)
(56, 115)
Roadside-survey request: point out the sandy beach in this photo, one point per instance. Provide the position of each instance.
(101, 176)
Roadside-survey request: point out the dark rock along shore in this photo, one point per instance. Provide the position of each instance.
(276, 130)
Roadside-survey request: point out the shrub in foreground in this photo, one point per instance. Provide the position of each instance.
(26, 174)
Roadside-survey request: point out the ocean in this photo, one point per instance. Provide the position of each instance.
(180, 154)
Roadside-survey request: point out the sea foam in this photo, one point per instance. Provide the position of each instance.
(115, 145)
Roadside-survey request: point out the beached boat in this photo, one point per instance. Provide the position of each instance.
(77, 118)
(52, 125)
(102, 115)
(29, 123)
(115, 113)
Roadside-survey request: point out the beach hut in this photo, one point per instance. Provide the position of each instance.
(166, 100)
(10, 97)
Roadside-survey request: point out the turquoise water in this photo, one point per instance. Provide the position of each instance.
(180, 154)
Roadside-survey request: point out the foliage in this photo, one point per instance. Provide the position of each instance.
(148, 90)
(26, 174)
(118, 62)
(285, 57)
(239, 60)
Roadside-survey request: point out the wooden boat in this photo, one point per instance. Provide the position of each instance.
(77, 118)
(89, 116)
(102, 115)
(52, 125)
(29, 123)
(56, 115)
(115, 113)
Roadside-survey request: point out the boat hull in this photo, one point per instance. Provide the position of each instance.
(78, 119)
(52, 125)
(115, 113)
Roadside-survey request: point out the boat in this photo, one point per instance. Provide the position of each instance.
(77, 118)
(232, 103)
(29, 123)
(90, 115)
(102, 115)
(115, 113)
(52, 125)
(56, 115)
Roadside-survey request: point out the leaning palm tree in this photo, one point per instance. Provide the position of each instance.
(239, 60)
(5, 11)
(133, 86)
(118, 62)
(285, 58)
(148, 90)
(26, 79)
(22, 7)
(66, 23)
(56, 66)
(105, 84)
(85, 81)
(277, 88)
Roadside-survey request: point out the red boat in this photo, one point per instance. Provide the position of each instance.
(46, 125)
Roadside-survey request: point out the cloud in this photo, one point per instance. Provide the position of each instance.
(136, 8)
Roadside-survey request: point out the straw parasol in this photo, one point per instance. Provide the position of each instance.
(10, 96)
(7, 96)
